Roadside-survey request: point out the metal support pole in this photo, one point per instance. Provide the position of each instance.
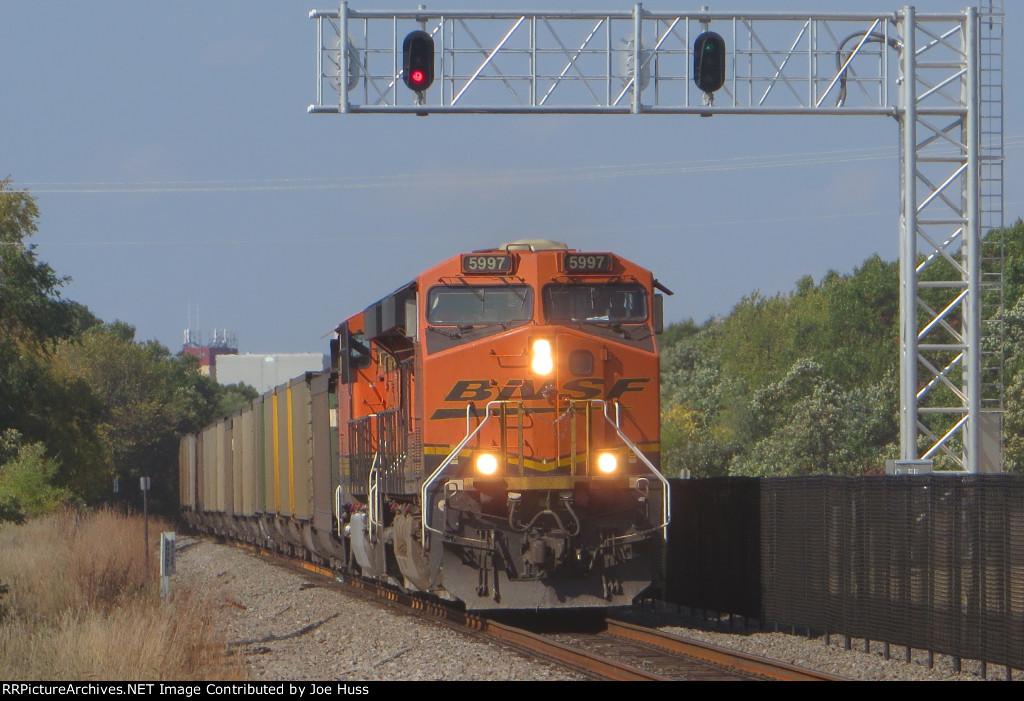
(343, 58)
(638, 23)
(144, 483)
(907, 115)
(972, 252)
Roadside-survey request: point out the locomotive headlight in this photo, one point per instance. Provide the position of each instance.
(486, 464)
(607, 463)
(543, 361)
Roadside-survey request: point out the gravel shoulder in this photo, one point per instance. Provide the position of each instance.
(816, 653)
(288, 628)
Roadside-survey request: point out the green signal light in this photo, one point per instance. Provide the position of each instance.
(709, 62)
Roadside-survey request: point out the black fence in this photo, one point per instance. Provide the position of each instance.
(933, 562)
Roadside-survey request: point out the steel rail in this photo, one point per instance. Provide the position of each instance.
(591, 662)
(719, 655)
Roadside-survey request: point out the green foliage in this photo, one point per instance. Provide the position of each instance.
(34, 400)
(32, 312)
(234, 398)
(859, 341)
(805, 424)
(756, 341)
(792, 384)
(150, 399)
(26, 480)
(678, 332)
(699, 408)
(1013, 266)
(1012, 243)
(1013, 426)
(848, 323)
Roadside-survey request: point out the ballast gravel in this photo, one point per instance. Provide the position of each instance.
(288, 628)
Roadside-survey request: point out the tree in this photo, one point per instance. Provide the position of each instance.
(806, 424)
(701, 409)
(26, 480)
(678, 332)
(32, 311)
(42, 406)
(791, 384)
(1013, 426)
(1013, 261)
(858, 343)
(234, 398)
(151, 399)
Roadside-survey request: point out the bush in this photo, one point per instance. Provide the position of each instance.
(26, 480)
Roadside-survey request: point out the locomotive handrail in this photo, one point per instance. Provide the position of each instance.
(372, 496)
(666, 497)
(337, 509)
(425, 506)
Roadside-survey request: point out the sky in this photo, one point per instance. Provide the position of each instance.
(182, 183)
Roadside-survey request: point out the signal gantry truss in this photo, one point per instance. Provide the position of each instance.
(938, 75)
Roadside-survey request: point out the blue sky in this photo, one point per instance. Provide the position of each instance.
(176, 168)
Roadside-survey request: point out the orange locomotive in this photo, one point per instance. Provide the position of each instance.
(514, 392)
(498, 436)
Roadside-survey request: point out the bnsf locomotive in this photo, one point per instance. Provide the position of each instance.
(488, 432)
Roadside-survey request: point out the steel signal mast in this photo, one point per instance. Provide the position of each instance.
(938, 75)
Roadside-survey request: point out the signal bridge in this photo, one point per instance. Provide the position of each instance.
(939, 76)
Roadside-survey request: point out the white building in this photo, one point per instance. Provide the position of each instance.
(266, 371)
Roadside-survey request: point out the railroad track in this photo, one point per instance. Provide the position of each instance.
(617, 650)
(626, 652)
(743, 664)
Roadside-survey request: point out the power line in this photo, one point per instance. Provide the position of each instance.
(293, 241)
(505, 177)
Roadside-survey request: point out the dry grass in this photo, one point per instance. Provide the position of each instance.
(81, 607)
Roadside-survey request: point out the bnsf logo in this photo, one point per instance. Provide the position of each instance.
(580, 388)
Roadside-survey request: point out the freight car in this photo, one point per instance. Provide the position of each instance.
(488, 432)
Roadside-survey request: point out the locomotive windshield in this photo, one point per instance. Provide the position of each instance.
(614, 304)
(479, 304)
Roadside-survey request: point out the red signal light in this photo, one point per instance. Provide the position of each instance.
(418, 61)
